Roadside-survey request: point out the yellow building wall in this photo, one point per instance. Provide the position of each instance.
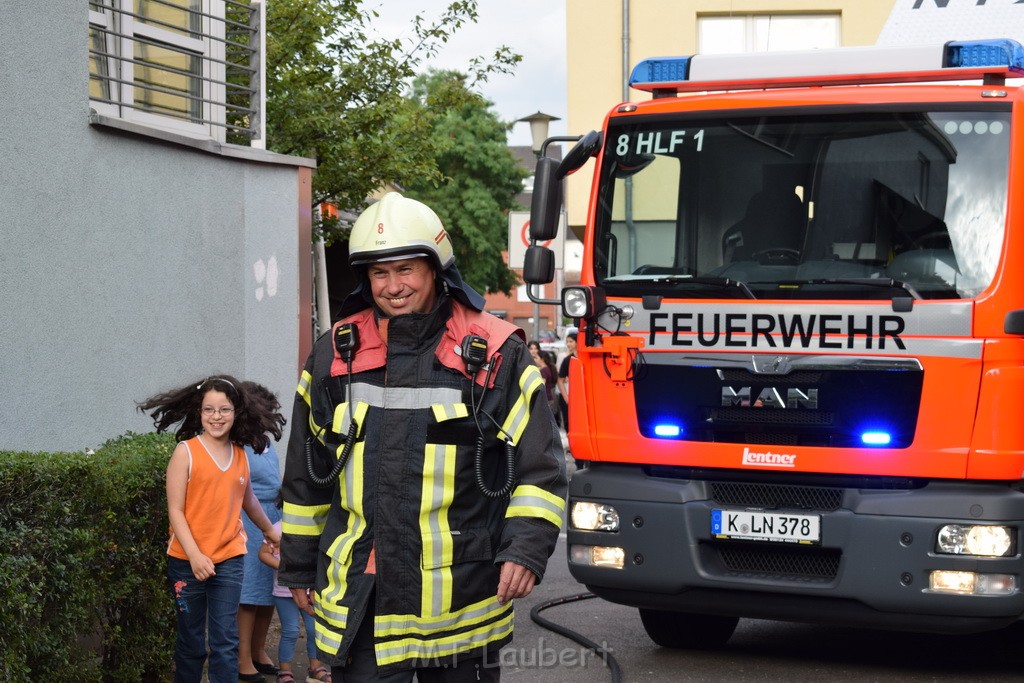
(658, 28)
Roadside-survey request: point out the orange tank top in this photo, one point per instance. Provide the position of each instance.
(213, 503)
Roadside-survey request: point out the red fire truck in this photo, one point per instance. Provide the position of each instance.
(801, 345)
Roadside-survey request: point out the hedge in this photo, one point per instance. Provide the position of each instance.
(83, 540)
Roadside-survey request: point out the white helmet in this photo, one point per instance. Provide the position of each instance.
(397, 228)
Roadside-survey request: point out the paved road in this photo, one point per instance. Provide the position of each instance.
(758, 651)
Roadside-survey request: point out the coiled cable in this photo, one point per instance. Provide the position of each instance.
(478, 454)
(323, 482)
(350, 438)
(510, 470)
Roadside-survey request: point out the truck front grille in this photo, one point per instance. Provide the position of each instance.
(724, 417)
(800, 563)
(775, 496)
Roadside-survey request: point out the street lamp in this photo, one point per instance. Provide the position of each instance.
(538, 128)
(539, 123)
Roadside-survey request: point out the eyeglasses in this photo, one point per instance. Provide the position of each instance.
(210, 411)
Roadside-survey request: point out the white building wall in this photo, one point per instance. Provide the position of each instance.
(128, 264)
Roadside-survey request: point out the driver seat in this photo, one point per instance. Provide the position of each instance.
(773, 220)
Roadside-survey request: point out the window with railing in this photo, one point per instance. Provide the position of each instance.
(192, 66)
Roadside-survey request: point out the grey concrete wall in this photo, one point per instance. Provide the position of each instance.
(128, 265)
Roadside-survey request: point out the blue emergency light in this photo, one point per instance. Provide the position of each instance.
(955, 60)
(661, 70)
(982, 53)
(668, 431)
(876, 438)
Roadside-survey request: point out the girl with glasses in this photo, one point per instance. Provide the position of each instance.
(208, 486)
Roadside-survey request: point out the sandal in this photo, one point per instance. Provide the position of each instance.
(285, 677)
(318, 675)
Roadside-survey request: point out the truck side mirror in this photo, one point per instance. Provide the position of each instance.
(588, 146)
(538, 265)
(547, 200)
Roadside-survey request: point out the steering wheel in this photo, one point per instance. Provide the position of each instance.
(777, 256)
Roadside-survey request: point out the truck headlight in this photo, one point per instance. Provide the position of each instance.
(976, 539)
(971, 583)
(583, 302)
(598, 556)
(594, 517)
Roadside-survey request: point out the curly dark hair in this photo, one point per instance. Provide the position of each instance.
(255, 414)
(264, 404)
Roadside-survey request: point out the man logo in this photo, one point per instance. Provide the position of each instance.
(770, 397)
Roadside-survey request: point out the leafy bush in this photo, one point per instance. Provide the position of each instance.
(82, 571)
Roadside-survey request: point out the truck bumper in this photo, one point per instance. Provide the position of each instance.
(871, 567)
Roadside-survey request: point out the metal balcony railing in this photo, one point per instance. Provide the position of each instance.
(196, 62)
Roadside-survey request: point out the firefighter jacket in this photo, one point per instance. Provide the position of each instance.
(406, 516)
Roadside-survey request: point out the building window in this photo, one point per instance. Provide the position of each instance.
(767, 32)
(191, 66)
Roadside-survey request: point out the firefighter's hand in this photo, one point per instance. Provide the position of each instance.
(303, 598)
(515, 581)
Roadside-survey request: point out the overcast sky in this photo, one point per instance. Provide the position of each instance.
(533, 28)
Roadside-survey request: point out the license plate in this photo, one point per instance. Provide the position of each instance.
(766, 526)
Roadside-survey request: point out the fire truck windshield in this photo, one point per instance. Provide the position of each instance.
(804, 205)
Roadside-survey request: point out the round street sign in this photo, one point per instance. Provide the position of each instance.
(524, 235)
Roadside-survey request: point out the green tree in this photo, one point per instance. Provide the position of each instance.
(480, 177)
(338, 95)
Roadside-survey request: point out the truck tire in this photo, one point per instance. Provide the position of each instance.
(683, 631)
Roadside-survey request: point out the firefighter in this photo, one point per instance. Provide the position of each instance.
(424, 485)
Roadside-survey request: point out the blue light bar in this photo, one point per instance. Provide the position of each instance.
(876, 438)
(667, 431)
(954, 60)
(981, 53)
(661, 70)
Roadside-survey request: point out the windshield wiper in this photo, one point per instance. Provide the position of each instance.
(665, 278)
(887, 283)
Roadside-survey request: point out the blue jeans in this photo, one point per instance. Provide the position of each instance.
(206, 605)
(288, 612)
